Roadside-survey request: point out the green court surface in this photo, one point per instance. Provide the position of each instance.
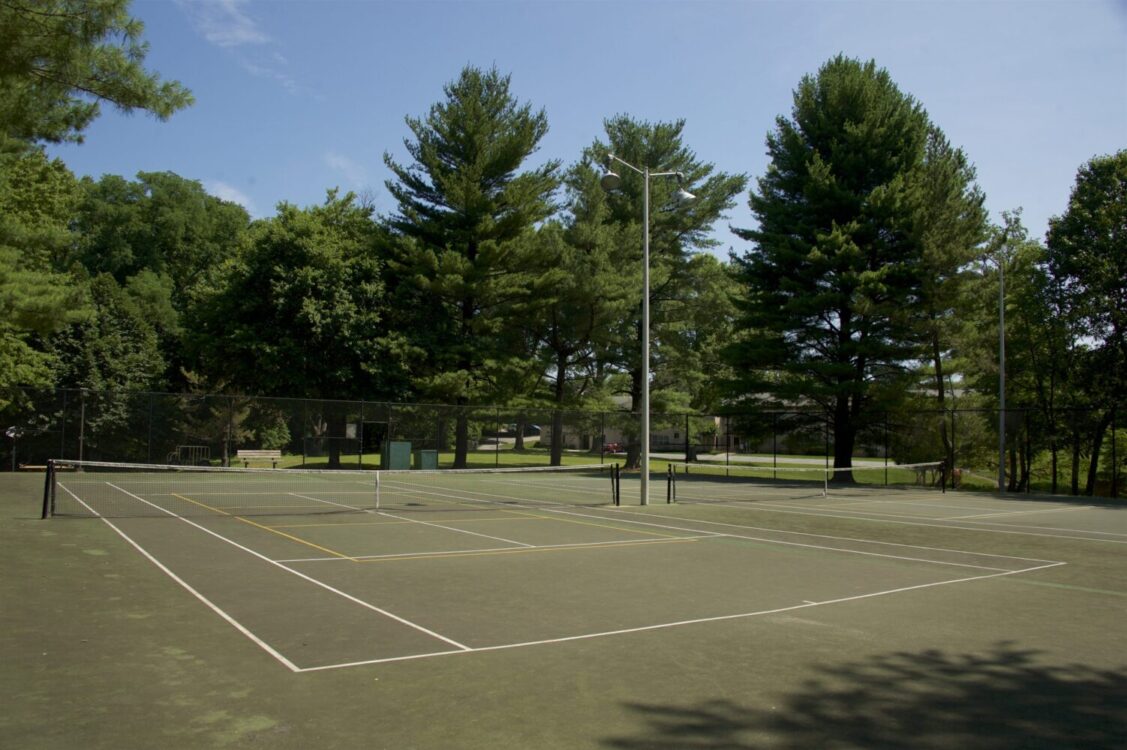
(510, 614)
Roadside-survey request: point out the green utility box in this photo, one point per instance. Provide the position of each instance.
(396, 455)
(427, 460)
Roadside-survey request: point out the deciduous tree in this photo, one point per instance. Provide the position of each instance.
(37, 296)
(301, 310)
(1087, 254)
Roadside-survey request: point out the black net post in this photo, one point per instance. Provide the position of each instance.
(670, 485)
(48, 488)
(616, 484)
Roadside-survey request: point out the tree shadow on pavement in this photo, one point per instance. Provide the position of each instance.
(1003, 698)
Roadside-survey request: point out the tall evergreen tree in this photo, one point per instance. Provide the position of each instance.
(576, 297)
(950, 226)
(676, 232)
(462, 204)
(835, 262)
(60, 58)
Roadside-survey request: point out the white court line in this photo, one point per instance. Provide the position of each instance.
(845, 539)
(680, 623)
(1017, 513)
(415, 520)
(824, 536)
(921, 503)
(768, 507)
(466, 497)
(461, 648)
(460, 531)
(187, 587)
(330, 502)
(278, 565)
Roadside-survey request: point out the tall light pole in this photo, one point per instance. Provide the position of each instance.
(611, 181)
(1001, 373)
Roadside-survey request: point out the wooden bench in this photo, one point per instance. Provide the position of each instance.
(258, 455)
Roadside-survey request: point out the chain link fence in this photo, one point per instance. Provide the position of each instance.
(1077, 451)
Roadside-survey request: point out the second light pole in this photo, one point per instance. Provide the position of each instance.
(611, 181)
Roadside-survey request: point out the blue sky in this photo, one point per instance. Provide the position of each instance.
(294, 97)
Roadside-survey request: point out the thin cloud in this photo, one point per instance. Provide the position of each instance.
(226, 24)
(225, 192)
(353, 173)
(272, 73)
(223, 22)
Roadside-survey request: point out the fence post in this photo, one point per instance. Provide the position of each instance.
(826, 432)
(149, 440)
(727, 452)
(82, 426)
(954, 445)
(63, 427)
(1114, 458)
(230, 431)
(886, 449)
(727, 440)
(389, 433)
(774, 445)
(686, 437)
(602, 436)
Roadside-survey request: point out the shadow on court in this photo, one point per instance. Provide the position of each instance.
(979, 701)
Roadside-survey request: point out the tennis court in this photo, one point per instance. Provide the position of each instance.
(716, 618)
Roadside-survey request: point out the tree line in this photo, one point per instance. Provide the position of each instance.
(500, 277)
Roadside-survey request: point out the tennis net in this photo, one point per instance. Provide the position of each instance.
(702, 483)
(116, 490)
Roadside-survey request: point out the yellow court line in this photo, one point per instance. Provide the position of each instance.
(350, 524)
(522, 550)
(266, 528)
(493, 519)
(520, 516)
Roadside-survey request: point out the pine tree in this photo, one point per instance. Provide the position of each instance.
(463, 204)
(676, 231)
(835, 263)
(59, 58)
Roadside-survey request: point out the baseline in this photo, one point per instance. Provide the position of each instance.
(208, 569)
